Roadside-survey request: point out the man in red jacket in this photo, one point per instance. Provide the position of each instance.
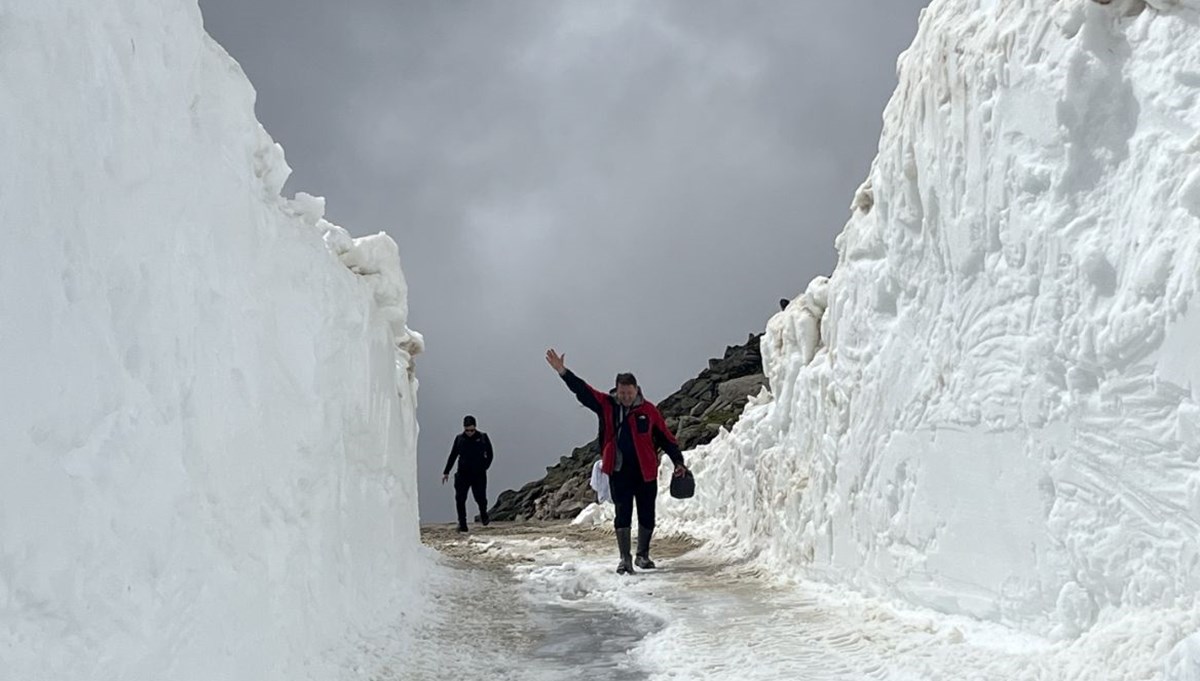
(631, 432)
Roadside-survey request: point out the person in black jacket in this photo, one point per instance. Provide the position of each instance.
(473, 451)
(632, 430)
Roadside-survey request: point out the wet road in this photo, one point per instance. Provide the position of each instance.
(538, 603)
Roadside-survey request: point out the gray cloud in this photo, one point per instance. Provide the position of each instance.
(636, 184)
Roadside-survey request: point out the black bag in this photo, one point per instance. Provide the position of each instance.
(683, 486)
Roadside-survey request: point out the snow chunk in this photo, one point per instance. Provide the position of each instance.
(799, 323)
(1183, 663)
(1189, 193)
(337, 239)
(310, 209)
(376, 259)
(864, 198)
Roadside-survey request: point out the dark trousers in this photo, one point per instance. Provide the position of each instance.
(476, 482)
(626, 489)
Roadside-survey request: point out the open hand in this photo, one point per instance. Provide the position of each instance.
(445, 478)
(557, 361)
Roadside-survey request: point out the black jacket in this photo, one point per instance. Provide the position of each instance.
(474, 454)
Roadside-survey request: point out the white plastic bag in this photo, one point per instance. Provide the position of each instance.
(600, 484)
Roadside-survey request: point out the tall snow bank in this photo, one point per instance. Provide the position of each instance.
(209, 439)
(998, 412)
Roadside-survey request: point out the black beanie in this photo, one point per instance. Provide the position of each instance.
(468, 421)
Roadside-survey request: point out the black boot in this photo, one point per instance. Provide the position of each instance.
(643, 553)
(483, 518)
(462, 527)
(625, 567)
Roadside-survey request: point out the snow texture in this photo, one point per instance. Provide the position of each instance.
(992, 406)
(209, 462)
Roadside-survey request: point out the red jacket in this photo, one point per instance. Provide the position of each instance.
(643, 422)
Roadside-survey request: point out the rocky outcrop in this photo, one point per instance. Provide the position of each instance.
(695, 413)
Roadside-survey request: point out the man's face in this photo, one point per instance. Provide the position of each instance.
(469, 430)
(626, 394)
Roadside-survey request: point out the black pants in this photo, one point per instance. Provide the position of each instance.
(628, 488)
(476, 482)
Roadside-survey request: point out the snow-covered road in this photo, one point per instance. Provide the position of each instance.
(544, 603)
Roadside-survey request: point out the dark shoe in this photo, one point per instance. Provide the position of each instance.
(462, 528)
(625, 567)
(643, 551)
(483, 518)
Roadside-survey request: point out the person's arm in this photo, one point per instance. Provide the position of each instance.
(450, 461)
(665, 440)
(586, 394)
(488, 454)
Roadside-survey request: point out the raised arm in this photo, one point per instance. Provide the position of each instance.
(586, 394)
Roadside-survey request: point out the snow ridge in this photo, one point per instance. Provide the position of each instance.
(209, 405)
(992, 406)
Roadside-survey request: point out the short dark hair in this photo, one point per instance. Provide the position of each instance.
(626, 378)
(468, 420)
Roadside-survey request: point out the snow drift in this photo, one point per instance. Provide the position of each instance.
(208, 425)
(992, 406)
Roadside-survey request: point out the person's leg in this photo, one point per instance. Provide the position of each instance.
(646, 497)
(461, 485)
(623, 491)
(479, 489)
(622, 496)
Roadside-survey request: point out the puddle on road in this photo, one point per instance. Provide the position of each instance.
(590, 640)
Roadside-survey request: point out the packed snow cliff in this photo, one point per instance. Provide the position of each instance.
(208, 427)
(992, 406)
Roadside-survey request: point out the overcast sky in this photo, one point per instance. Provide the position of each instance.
(633, 183)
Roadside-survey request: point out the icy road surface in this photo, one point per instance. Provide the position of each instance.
(533, 603)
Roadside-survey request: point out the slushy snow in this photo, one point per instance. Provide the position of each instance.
(209, 436)
(991, 408)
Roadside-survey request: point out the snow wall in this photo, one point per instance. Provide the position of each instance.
(209, 439)
(992, 405)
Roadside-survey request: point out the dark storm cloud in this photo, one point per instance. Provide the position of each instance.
(636, 184)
